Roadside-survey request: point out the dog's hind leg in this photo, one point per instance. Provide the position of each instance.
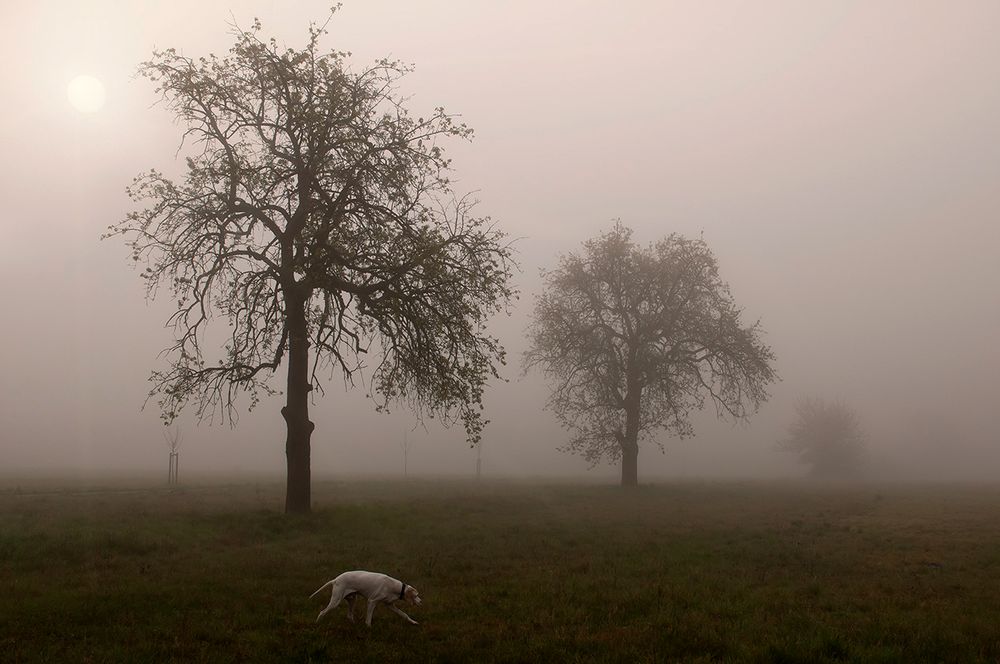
(350, 605)
(335, 596)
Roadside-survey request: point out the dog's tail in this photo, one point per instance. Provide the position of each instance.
(321, 588)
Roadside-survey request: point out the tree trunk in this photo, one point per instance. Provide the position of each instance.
(630, 465)
(630, 441)
(298, 493)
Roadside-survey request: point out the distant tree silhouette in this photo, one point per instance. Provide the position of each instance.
(827, 437)
(315, 216)
(636, 338)
(406, 445)
(173, 439)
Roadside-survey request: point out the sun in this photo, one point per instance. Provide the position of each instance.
(86, 93)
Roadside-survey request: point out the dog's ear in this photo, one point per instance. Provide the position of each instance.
(412, 596)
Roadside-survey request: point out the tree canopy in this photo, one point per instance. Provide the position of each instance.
(315, 216)
(637, 338)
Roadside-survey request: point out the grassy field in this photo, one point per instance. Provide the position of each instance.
(508, 571)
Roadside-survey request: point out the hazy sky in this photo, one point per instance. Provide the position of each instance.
(841, 158)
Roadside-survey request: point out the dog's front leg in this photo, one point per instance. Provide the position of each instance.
(397, 611)
(372, 603)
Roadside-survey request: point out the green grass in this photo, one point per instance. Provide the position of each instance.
(509, 572)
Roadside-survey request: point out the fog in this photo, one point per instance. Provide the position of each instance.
(842, 159)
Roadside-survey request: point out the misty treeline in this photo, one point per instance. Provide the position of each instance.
(317, 217)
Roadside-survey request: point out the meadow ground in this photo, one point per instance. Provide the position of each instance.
(509, 572)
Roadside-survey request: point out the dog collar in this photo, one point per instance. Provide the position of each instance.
(402, 590)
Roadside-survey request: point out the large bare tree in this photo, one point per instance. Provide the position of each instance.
(316, 217)
(636, 338)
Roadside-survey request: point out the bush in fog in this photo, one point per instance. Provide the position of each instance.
(827, 437)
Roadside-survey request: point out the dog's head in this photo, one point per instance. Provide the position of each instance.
(412, 596)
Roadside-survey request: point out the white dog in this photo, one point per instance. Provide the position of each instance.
(376, 588)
